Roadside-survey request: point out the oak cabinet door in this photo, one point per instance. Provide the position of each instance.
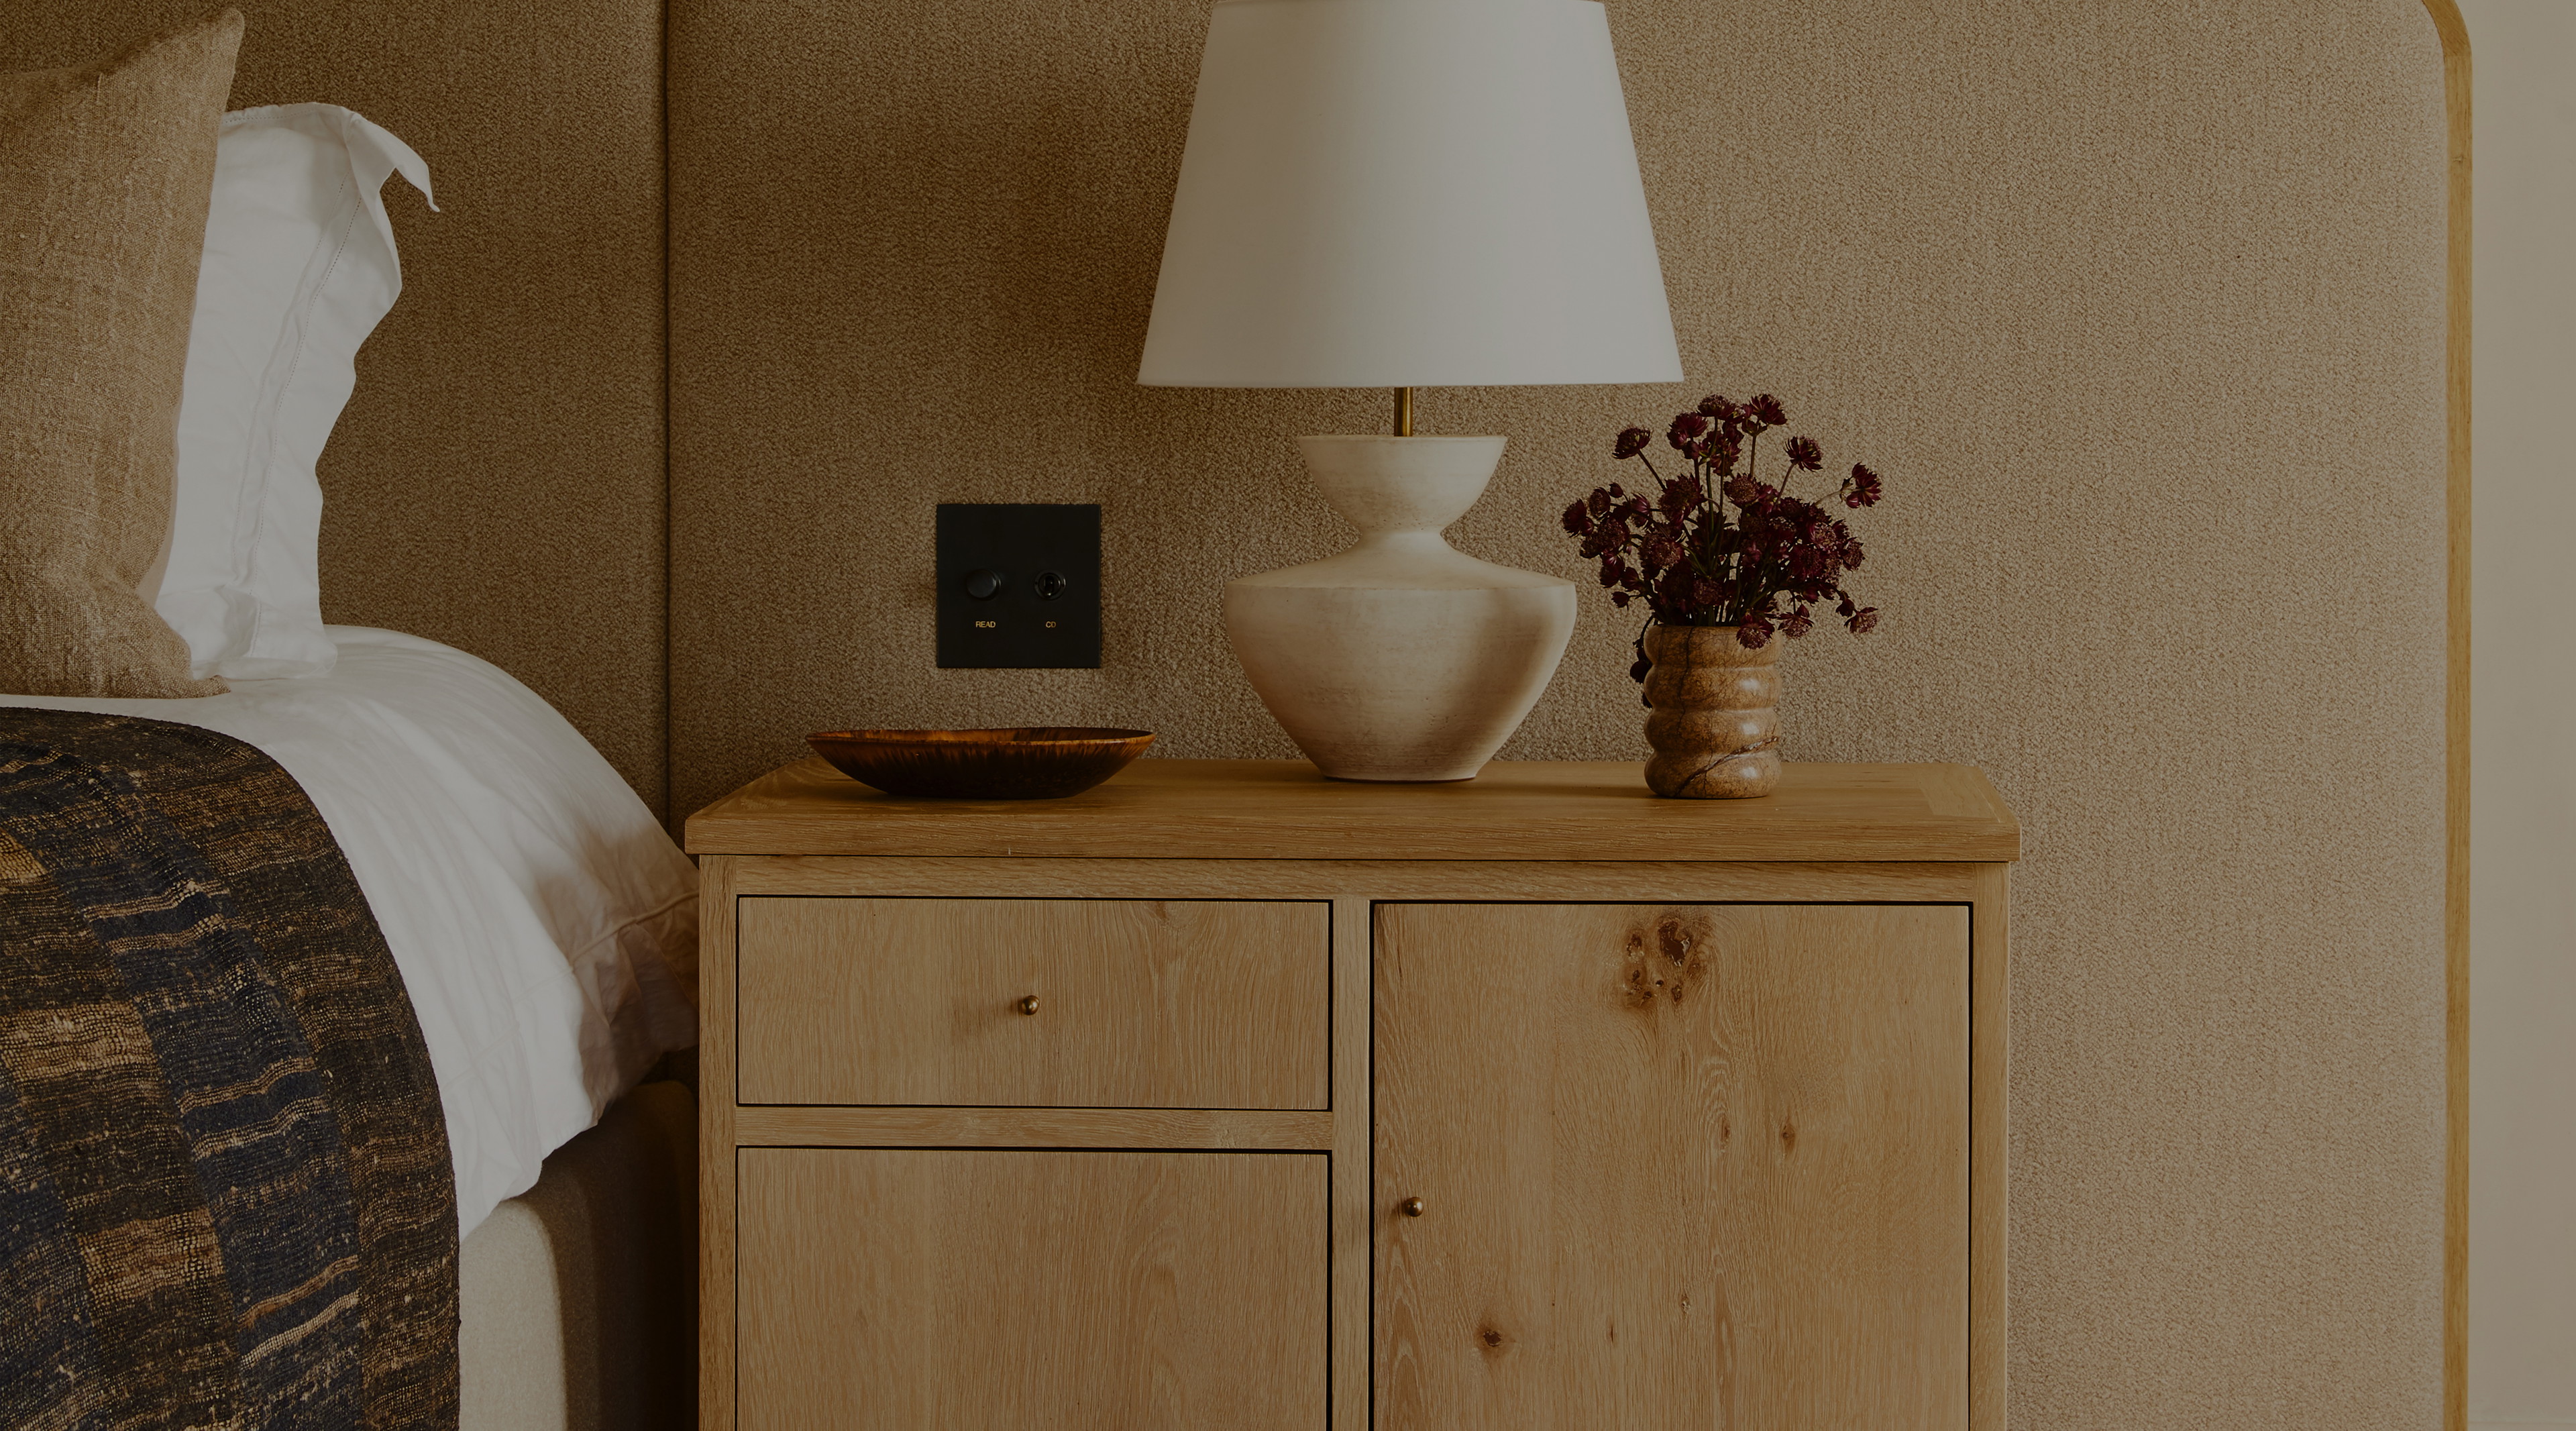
(1693, 1166)
(972, 1290)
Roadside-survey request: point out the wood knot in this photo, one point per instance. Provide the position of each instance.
(1672, 940)
(1664, 961)
(1491, 1339)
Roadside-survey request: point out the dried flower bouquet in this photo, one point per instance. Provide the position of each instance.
(1717, 546)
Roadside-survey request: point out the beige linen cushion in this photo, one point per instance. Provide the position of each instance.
(105, 171)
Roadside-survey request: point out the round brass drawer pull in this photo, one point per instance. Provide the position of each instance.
(1029, 1004)
(1412, 1207)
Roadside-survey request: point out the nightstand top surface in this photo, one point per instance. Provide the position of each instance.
(1284, 810)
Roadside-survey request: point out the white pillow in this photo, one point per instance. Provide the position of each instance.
(299, 266)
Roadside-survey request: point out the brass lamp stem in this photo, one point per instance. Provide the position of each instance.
(1404, 412)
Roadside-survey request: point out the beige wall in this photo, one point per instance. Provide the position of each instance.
(2522, 1181)
(2138, 306)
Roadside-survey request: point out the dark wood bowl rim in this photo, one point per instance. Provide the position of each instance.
(1009, 737)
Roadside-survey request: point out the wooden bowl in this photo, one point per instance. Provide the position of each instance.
(1038, 762)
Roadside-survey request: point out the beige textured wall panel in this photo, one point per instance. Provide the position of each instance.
(2138, 307)
(2522, 1245)
(497, 480)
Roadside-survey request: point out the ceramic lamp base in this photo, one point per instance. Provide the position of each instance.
(1401, 659)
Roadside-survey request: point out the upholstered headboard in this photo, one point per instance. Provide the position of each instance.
(2141, 309)
(497, 479)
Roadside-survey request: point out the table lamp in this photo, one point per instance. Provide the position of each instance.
(1402, 194)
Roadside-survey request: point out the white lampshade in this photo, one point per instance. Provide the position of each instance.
(1402, 193)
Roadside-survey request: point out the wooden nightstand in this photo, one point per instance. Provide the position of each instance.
(1224, 1096)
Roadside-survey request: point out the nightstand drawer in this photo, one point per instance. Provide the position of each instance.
(1033, 1002)
(926, 1287)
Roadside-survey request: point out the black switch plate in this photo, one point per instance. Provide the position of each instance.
(1019, 585)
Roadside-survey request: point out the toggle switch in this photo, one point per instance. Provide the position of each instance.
(989, 617)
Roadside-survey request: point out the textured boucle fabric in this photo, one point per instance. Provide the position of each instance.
(496, 479)
(225, 1198)
(104, 172)
(2138, 307)
(580, 1295)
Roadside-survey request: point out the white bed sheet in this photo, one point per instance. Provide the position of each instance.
(544, 923)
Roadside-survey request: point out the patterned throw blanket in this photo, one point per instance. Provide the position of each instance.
(225, 1196)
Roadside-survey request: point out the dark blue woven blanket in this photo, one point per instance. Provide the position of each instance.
(225, 1197)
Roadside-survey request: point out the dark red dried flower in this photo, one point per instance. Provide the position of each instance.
(1672, 589)
(1741, 556)
(1863, 489)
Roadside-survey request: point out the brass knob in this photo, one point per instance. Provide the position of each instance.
(1029, 1005)
(1411, 1207)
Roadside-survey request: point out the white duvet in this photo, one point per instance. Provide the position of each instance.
(545, 926)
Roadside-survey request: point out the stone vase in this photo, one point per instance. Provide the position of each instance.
(1401, 659)
(1715, 725)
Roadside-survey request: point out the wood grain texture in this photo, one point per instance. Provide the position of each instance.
(1037, 1128)
(1970, 895)
(1346, 879)
(1137, 1003)
(1681, 1166)
(716, 1218)
(1354, 1230)
(2457, 241)
(1989, 1145)
(1283, 809)
(922, 1290)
